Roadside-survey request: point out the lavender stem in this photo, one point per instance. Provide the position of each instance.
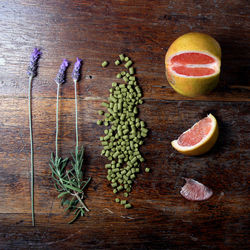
(57, 101)
(32, 72)
(31, 155)
(76, 116)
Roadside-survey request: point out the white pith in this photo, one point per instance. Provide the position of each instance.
(206, 138)
(215, 65)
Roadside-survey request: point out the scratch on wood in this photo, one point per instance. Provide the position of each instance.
(220, 196)
(62, 240)
(160, 86)
(109, 210)
(92, 98)
(50, 213)
(127, 217)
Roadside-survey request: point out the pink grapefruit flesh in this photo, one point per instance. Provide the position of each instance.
(193, 64)
(192, 58)
(194, 135)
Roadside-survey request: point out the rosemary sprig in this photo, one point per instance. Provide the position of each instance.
(32, 72)
(70, 183)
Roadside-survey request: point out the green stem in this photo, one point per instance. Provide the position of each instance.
(57, 102)
(31, 155)
(75, 82)
(79, 199)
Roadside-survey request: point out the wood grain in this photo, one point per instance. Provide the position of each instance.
(97, 31)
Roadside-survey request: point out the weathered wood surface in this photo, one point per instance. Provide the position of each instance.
(98, 30)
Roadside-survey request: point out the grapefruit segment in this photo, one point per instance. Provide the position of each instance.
(192, 58)
(195, 191)
(189, 71)
(199, 139)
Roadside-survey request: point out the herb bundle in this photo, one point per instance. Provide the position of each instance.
(32, 73)
(70, 183)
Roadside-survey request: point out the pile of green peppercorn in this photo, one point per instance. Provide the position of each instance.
(125, 131)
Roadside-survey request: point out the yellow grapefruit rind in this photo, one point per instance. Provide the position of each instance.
(204, 145)
(189, 86)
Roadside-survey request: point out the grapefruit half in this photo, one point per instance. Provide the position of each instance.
(193, 64)
(199, 139)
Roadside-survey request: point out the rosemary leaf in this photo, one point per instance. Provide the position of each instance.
(78, 213)
(73, 188)
(62, 194)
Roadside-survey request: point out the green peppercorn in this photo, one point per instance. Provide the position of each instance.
(147, 170)
(123, 202)
(118, 76)
(99, 122)
(134, 159)
(132, 176)
(107, 165)
(117, 200)
(104, 104)
(144, 130)
(114, 84)
(105, 64)
(117, 62)
(131, 71)
(114, 184)
(128, 64)
(125, 195)
(122, 57)
(127, 206)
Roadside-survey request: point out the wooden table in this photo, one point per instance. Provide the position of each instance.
(143, 30)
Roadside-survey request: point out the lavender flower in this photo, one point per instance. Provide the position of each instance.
(60, 78)
(76, 71)
(32, 68)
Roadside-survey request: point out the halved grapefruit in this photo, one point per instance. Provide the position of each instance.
(199, 139)
(193, 64)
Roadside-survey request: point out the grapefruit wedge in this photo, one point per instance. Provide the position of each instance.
(199, 139)
(193, 64)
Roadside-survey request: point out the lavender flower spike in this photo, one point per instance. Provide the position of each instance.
(60, 78)
(32, 68)
(76, 71)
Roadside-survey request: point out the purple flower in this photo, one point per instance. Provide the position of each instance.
(76, 71)
(32, 68)
(60, 78)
